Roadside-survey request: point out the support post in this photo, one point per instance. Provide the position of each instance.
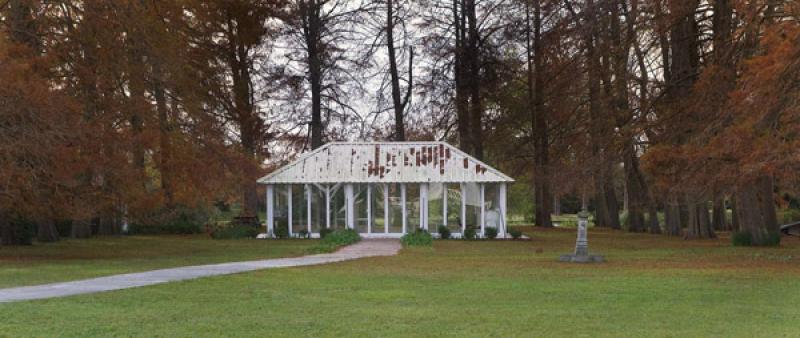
(369, 208)
(327, 205)
(423, 206)
(270, 214)
(483, 211)
(289, 207)
(502, 204)
(385, 208)
(403, 204)
(349, 206)
(308, 209)
(444, 204)
(463, 208)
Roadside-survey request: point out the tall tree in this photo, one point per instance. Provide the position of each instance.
(543, 200)
(399, 104)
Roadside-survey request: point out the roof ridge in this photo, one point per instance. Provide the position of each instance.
(329, 172)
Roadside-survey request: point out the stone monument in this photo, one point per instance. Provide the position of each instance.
(581, 254)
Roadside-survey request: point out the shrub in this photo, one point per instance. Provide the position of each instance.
(281, 230)
(335, 239)
(324, 232)
(791, 215)
(21, 231)
(178, 221)
(64, 227)
(490, 232)
(744, 238)
(419, 237)
(234, 232)
(444, 232)
(515, 233)
(304, 233)
(470, 233)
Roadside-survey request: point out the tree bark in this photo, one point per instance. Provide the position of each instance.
(543, 197)
(698, 226)
(636, 192)
(734, 214)
(755, 208)
(672, 216)
(462, 112)
(165, 141)
(7, 231)
(108, 225)
(239, 62)
(399, 104)
(612, 203)
(138, 104)
(81, 229)
(766, 195)
(718, 214)
(312, 26)
(47, 231)
(474, 80)
(653, 225)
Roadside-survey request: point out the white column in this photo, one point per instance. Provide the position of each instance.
(403, 204)
(289, 207)
(349, 206)
(308, 209)
(385, 208)
(369, 208)
(502, 204)
(270, 214)
(483, 207)
(423, 206)
(328, 206)
(463, 207)
(444, 204)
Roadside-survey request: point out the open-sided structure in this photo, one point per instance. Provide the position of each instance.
(385, 189)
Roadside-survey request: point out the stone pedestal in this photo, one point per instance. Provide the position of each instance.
(581, 254)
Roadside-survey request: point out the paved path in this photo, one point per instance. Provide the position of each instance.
(365, 248)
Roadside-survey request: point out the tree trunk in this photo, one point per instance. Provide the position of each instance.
(698, 226)
(636, 192)
(108, 225)
(601, 210)
(165, 142)
(247, 118)
(311, 12)
(81, 229)
(398, 105)
(556, 206)
(543, 198)
(766, 198)
(755, 209)
(7, 231)
(718, 215)
(474, 79)
(462, 114)
(734, 214)
(672, 216)
(47, 231)
(611, 203)
(653, 225)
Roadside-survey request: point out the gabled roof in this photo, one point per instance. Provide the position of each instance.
(385, 162)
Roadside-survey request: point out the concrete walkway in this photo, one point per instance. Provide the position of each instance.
(365, 248)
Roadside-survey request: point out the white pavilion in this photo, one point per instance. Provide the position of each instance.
(386, 189)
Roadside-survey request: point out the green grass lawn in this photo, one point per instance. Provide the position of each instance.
(651, 286)
(77, 259)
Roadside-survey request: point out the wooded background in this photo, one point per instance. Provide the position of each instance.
(134, 109)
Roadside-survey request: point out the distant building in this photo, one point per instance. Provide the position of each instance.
(386, 189)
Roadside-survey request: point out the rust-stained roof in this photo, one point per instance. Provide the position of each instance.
(385, 162)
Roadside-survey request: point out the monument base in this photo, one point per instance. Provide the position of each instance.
(572, 258)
